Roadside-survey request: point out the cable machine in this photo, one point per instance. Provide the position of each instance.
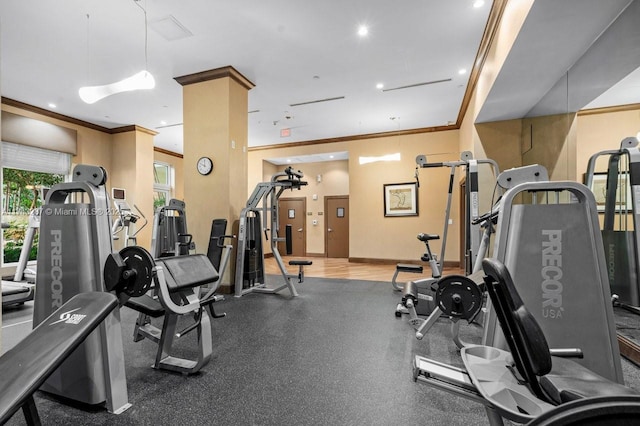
(473, 231)
(253, 222)
(621, 219)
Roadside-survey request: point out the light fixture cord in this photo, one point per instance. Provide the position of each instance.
(144, 10)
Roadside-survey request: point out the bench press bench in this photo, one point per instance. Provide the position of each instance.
(26, 366)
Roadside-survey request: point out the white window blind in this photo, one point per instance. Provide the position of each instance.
(24, 157)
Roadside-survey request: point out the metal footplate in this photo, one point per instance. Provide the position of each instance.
(486, 380)
(445, 377)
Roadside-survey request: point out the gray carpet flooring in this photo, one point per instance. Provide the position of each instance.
(335, 355)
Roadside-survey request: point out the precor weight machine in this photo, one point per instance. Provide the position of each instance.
(74, 243)
(554, 283)
(169, 236)
(253, 223)
(621, 219)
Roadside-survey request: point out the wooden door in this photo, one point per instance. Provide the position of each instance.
(293, 211)
(336, 210)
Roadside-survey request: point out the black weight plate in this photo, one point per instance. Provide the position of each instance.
(458, 297)
(140, 261)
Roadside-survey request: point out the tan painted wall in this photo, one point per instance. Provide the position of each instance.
(178, 171)
(373, 236)
(599, 132)
(551, 142)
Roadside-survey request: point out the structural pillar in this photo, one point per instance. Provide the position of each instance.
(132, 170)
(215, 122)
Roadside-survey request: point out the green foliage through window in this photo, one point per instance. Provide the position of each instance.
(22, 191)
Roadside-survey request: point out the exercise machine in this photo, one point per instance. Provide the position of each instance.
(518, 384)
(422, 286)
(457, 297)
(184, 285)
(169, 236)
(549, 237)
(23, 271)
(262, 208)
(126, 219)
(74, 243)
(26, 366)
(177, 281)
(472, 233)
(621, 217)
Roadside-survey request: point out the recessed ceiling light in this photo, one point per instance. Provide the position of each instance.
(462, 71)
(52, 105)
(288, 160)
(379, 86)
(163, 123)
(478, 3)
(363, 30)
(331, 156)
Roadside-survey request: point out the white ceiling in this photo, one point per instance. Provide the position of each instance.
(565, 57)
(294, 52)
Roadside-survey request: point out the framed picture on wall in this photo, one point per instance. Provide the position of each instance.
(599, 189)
(400, 199)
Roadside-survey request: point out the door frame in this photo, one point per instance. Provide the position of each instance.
(326, 232)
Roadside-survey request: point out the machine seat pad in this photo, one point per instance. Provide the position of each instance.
(407, 267)
(26, 366)
(186, 272)
(428, 237)
(146, 305)
(300, 262)
(569, 381)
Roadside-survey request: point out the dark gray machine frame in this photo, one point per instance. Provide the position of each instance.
(75, 241)
(485, 379)
(164, 241)
(555, 253)
(622, 245)
(267, 193)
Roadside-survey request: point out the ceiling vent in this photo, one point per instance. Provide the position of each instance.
(170, 28)
(317, 101)
(417, 85)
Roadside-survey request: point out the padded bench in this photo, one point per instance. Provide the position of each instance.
(300, 264)
(404, 267)
(26, 366)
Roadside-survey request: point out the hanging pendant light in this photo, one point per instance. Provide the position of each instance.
(142, 80)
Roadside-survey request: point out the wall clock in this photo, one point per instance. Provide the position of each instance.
(205, 166)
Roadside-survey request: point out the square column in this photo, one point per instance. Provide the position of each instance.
(215, 123)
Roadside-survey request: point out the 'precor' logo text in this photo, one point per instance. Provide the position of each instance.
(552, 274)
(56, 268)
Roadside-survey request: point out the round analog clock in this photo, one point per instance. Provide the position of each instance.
(205, 166)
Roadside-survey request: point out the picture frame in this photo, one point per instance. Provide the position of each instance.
(599, 188)
(400, 199)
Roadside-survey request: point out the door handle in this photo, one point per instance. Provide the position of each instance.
(300, 230)
(329, 230)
